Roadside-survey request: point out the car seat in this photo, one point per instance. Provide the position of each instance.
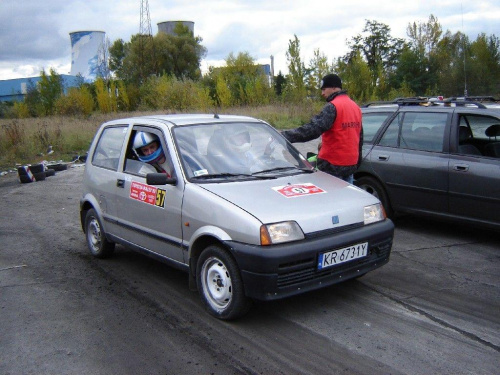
(493, 149)
(464, 136)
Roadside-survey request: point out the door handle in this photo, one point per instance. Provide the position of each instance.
(383, 157)
(120, 183)
(461, 167)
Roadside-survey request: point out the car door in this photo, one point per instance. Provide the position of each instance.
(410, 161)
(474, 177)
(150, 215)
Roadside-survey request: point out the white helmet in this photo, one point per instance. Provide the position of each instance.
(238, 139)
(142, 139)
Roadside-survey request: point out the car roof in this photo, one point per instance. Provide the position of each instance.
(186, 119)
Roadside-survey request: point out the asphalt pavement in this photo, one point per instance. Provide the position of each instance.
(433, 309)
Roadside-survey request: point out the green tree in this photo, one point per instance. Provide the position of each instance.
(483, 66)
(33, 99)
(318, 68)
(356, 78)
(240, 82)
(117, 53)
(380, 50)
(424, 37)
(77, 101)
(178, 55)
(296, 88)
(50, 88)
(417, 65)
(450, 54)
(104, 103)
(279, 84)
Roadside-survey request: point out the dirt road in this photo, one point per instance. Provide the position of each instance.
(433, 309)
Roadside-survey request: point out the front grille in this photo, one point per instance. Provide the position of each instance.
(302, 272)
(331, 231)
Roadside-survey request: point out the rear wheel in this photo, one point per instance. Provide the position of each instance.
(220, 285)
(372, 186)
(97, 243)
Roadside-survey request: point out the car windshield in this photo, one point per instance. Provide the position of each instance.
(235, 151)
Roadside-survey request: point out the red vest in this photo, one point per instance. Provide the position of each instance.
(340, 144)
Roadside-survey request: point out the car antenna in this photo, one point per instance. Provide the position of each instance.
(463, 39)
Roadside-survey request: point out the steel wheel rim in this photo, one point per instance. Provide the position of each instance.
(217, 285)
(94, 235)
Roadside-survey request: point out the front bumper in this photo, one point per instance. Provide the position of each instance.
(278, 271)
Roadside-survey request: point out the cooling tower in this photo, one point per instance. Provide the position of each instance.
(85, 46)
(168, 27)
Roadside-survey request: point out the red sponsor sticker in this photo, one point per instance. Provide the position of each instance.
(147, 194)
(292, 191)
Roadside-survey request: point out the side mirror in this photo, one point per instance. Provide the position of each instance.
(160, 179)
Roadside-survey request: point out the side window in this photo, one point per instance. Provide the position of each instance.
(152, 158)
(423, 131)
(482, 126)
(371, 124)
(108, 149)
(390, 137)
(483, 135)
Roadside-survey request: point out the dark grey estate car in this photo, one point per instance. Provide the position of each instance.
(440, 159)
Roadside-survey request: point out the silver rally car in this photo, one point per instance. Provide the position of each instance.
(230, 201)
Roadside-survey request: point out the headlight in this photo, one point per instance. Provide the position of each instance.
(280, 232)
(374, 213)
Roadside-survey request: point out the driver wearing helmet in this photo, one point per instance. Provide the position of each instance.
(147, 148)
(238, 139)
(241, 154)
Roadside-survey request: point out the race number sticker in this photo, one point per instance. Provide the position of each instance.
(300, 190)
(147, 194)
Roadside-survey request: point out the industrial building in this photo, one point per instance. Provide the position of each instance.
(16, 89)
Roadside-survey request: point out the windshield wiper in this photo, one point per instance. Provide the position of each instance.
(279, 169)
(229, 175)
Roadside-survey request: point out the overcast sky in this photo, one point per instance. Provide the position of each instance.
(34, 34)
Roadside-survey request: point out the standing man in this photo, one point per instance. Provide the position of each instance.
(340, 126)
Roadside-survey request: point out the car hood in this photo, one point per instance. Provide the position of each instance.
(316, 201)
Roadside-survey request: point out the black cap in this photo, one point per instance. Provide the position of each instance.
(331, 80)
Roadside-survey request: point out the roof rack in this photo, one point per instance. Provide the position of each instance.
(417, 100)
(425, 101)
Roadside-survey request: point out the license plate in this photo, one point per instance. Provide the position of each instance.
(332, 258)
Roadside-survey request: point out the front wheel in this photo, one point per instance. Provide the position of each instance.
(372, 186)
(220, 284)
(97, 243)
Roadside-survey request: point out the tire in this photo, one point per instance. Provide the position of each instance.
(40, 176)
(372, 186)
(58, 167)
(220, 284)
(50, 172)
(37, 168)
(24, 178)
(97, 243)
(21, 171)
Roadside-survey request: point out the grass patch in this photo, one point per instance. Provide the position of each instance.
(25, 141)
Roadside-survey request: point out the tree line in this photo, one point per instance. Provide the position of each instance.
(162, 72)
